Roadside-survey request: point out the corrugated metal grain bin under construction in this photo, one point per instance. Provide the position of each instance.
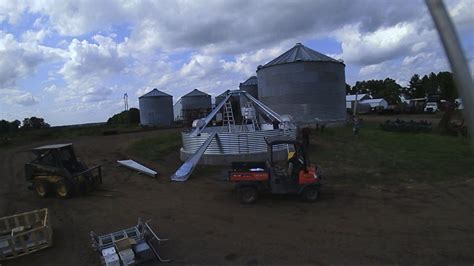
(305, 84)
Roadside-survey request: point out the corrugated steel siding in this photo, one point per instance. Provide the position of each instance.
(233, 142)
(251, 89)
(310, 92)
(156, 111)
(196, 102)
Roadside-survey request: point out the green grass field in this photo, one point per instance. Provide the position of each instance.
(158, 147)
(380, 157)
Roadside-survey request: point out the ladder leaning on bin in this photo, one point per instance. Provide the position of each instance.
(228, 116)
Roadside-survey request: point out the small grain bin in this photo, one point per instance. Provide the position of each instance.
(156, 108)
(195, 105)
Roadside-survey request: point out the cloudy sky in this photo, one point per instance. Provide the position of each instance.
(71, 61)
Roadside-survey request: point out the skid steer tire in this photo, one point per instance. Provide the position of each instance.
(42, 188)
(64, 189)
(248, 194)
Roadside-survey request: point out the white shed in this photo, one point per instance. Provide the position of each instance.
(376, 103)
(350, 99)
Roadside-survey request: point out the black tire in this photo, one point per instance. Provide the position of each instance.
(248, 194)
(63, 189)
(310, 194)
(42, 188)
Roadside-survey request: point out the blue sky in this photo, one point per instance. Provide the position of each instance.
(71, 61)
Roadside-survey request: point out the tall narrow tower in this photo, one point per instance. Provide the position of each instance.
(125, 101)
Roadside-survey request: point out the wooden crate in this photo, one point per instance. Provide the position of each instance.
(24, 233)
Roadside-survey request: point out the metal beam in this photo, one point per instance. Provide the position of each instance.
(456, 57)
(209, 117)
(262, 106)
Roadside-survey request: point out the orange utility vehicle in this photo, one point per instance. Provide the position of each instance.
(282, 173)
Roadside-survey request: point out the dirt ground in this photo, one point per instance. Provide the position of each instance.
(416, 224)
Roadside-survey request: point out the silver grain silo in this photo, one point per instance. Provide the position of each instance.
(306, 84)
(250, 86)
(156, 109)
(221, 97)
(195, 104)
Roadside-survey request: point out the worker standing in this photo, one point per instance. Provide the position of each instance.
(357, 124)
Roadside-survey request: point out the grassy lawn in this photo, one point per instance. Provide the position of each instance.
(380, 157)
(53, 133)
(157, 147)
(376, 157)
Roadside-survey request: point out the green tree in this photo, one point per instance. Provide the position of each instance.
(446, 86)
(415, 89)
(131, 116)
(388, 89)
(349, 89)
(4, 126)
(34, 123)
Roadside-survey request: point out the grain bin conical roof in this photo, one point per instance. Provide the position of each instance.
(300, 53)
(196, 92)
(250, 81)
(155, 93)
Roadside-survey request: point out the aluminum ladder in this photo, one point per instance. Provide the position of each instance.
(228, 116)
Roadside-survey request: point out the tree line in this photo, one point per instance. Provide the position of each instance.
(28, 124)
(440, 85)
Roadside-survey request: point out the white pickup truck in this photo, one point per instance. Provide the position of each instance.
(431, 107)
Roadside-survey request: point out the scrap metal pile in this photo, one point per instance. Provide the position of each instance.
(407, 126)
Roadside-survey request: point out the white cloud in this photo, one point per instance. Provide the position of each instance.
(19, 59)
(17, 97)
(96, 94)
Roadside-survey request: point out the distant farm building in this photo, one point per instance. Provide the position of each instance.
(350, 99)
(376, 104)
(156, 108)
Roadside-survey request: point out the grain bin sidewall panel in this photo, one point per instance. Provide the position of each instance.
(156, 111)
(252, 89)
(196, 102)
(309, 91)
(232, 142)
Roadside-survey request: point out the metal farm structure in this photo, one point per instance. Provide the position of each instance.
(250, 86)
(195, 105)
(156, 109)
(305, 84)
(241, 139)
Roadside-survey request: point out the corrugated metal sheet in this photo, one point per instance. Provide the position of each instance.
(196, 92)
(300, 53)
(311, 92)
(155, 93)
(196, 100)
(156, 110)
(232, 142)
(362, 96)
(250, 81)
(250, 86)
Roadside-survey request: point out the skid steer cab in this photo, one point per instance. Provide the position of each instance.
(57, 170)
(286, 171)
